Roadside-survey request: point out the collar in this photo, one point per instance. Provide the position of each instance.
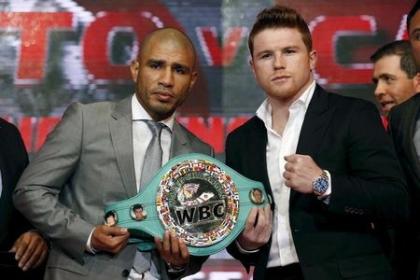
(264, 111)
(139, 113)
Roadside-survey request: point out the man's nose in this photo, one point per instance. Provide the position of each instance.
(167, 77)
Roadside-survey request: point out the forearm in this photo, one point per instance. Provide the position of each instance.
(57, 222)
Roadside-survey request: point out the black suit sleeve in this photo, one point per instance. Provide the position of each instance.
(233, 160)
(14, 159)
(373, 186)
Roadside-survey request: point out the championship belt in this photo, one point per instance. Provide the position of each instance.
(203, 201)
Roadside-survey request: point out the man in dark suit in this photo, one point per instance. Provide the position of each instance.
(404, 126)
(18, 240)
(325, 159)
(97, 155)
(394, 74)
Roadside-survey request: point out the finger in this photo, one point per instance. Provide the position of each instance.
(33, 256)
(290, 158)
(110, 243)
(21, 246)
(185, 254)
(42, 257)
(268, 212)
(251, 219)
(269, 218)
(174, 245)
(13, 249)
(115, 231)
(27, 253)
(286, 175)
(158, 243)
(261, 220)
(117, 243)
(166, 243)
(288, 167)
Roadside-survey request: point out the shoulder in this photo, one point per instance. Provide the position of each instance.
(252, 124)
(6, 128)
(343, 107)
(250, 127)
(347, 102)
(192, 138)
(12, 143)
(96, 107)
(411, 104)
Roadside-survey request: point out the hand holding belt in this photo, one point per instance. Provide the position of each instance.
(203, 201)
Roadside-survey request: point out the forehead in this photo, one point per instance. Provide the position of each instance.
(388, 63)
(415, 21)
(171, 51)
(281, 37)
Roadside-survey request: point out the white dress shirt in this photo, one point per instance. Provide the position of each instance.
(282, 251)
(142, 137)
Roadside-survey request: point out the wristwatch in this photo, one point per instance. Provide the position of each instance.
(175, 270)
(320, 184)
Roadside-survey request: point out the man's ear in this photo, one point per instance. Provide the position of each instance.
(194, 76)
(251, 64)
(134, 69)
(416, 83)
(313, 57)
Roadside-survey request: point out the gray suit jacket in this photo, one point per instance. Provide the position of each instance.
(87, 162)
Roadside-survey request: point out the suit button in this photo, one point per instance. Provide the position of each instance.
(125, 273)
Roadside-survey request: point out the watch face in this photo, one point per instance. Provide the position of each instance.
(320, 185)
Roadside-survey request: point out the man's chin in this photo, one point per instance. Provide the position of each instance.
(163, 112)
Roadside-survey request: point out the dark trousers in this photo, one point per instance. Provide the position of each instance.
(288, 272)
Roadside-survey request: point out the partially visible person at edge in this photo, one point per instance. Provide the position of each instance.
(404, 127)
(96, 154)
(394, 75)
(22, 249)
(324, 158)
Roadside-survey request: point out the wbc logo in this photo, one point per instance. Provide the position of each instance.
(199, 202)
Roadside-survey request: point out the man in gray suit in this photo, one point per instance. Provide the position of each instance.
(96, 154)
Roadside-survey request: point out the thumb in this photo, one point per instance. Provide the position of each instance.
(13, 249)
(116, 230)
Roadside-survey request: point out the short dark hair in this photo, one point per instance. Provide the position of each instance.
(280, 17)
(402, 48)
(137, 206)
(411, 14)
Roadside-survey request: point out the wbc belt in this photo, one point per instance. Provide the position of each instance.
(203, 201)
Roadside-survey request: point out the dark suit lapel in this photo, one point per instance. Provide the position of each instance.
(3, 194)
(120, 127)
(255, 157)
(314, 125)
(411, 115)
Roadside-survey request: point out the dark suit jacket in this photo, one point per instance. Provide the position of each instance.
(13, 160)
(344, 136)
(402, 126)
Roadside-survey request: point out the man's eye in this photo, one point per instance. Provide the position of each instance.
(265, 55)
(180, 70)
(388, 80)
(154, 65)
(290, 51)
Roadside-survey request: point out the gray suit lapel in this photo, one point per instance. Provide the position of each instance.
(180, 144)
(120, 127)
